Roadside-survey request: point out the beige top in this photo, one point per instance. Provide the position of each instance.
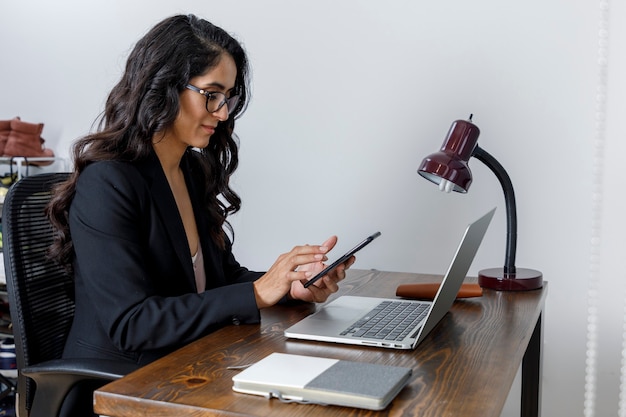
(198, 269)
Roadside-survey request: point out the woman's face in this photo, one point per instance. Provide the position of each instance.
(194, 125)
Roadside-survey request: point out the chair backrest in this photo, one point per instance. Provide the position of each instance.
(40, 292)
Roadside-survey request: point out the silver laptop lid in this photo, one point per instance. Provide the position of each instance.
(457, 271)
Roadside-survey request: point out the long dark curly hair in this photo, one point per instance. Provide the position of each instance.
(146, 101)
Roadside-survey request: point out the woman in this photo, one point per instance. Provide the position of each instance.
(141, 220)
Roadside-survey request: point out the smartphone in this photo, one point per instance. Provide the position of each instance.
(341, 260)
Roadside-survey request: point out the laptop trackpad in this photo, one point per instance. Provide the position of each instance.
(338, 313)
(346, 309)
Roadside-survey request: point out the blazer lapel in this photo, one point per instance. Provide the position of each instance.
(212, 255)
(165, 205)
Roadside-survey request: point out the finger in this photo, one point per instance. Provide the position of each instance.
(346, 265)
(330, 284)
(309, 249)
(340, 272)
(330, 242)
(311, 262)
(318, 294)
(302, 276)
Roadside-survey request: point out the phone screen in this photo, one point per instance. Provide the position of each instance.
(341, 260)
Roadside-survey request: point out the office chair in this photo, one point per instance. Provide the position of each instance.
(41, 303)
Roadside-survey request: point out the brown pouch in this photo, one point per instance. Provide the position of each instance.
(5, 129)
(427, 291)
(25, 140)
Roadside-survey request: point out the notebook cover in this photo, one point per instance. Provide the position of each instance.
(317, 380)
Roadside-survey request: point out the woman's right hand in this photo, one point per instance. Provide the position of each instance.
(276, 282)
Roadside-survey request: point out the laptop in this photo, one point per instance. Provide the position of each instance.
(348, 319)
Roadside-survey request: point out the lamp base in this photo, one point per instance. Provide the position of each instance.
(522, 280)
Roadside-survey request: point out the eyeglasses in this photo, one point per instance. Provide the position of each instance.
(216, 100)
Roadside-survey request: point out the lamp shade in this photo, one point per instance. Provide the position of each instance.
(451, 162)
(449, 169)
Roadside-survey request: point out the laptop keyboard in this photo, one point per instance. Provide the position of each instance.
(390, 320)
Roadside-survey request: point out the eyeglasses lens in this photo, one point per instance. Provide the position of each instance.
(216, 101)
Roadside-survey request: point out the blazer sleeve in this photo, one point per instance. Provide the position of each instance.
(127, 272)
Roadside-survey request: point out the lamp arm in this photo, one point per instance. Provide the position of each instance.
(509, 199)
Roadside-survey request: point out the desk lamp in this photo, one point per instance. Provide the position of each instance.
(449, 168)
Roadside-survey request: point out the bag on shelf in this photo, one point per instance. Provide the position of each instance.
(25, 140)
(5, 129)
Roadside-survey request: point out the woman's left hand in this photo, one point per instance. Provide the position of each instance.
(325, 286)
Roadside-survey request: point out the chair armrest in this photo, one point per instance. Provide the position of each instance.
(89, 368)
(54, 379)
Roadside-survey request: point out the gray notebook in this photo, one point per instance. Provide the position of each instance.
(392, 322)
(314, 380)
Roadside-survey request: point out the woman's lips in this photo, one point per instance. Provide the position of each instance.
(208, 129)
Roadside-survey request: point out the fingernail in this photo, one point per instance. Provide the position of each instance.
(319, 257)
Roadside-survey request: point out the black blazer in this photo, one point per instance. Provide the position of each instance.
(136, 296)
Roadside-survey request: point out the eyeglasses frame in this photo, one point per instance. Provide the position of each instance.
(231, 102)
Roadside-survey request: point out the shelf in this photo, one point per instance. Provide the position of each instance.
(28, 161)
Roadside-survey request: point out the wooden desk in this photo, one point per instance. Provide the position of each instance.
(465, 367)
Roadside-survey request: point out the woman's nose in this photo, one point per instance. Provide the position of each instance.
(222, 113)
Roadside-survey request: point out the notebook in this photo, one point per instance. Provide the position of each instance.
(314, 380)
(344, 319)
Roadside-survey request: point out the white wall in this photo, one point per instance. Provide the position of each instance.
(348, 97)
